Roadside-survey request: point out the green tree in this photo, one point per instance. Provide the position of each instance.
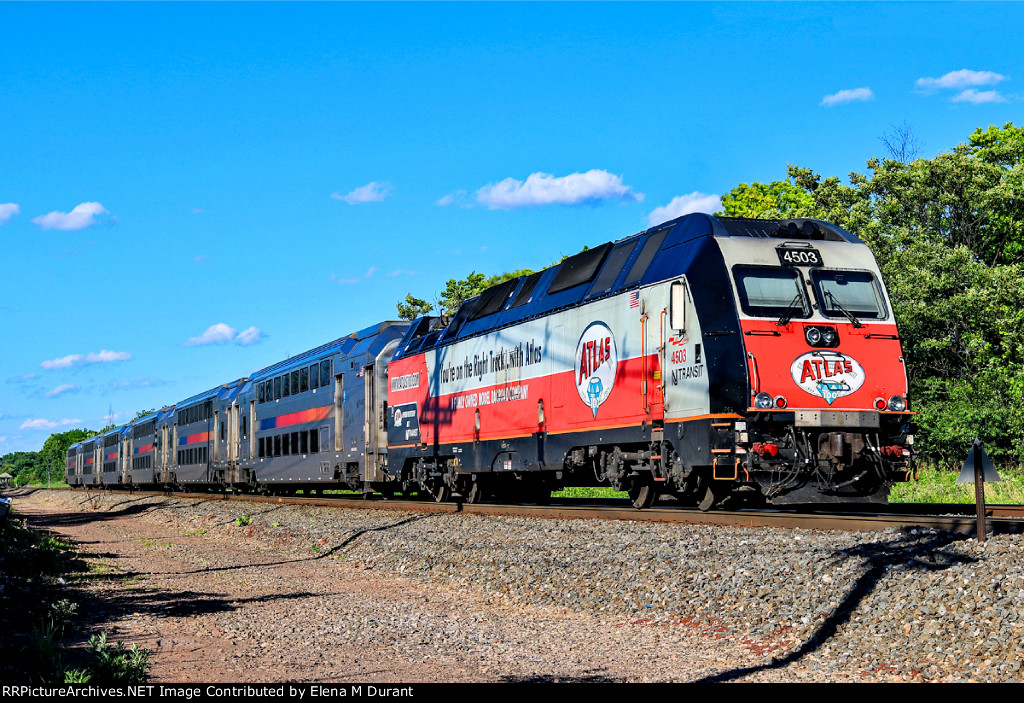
(766, 201)
(53, 455)
(948, 234)
(412, 308)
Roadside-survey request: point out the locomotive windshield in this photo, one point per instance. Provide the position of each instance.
(845, 293)
(771, 292)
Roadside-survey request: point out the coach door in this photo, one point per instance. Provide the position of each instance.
(376, 429)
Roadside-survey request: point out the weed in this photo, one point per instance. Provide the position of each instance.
(315, 548)
(940, 486)
(275, 524)
(115, 664)
(243, 520)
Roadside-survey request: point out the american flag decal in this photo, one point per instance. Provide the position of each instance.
(634, 299)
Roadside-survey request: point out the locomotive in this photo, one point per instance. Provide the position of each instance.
(713, 359)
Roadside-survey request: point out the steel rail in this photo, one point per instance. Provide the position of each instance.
(957, 518)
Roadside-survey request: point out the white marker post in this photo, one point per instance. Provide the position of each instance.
(978, 468)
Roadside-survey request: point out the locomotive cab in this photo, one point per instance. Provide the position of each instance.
(826, 417)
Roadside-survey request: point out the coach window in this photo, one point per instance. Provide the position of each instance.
(314, 376)
(325, 372)
(295, 381)
(324, 438)
(285, 391)
(262, 389)
(277, 388)
(284, 444)
(277, 445)
(314, 445)
(303, 442)
(303, 379)
(261, 447)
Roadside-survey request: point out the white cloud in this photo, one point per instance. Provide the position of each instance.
(457, 197)
(102, 357)
(84, 215)
(977, 97)
(23, 378)
(214, 334)
(7, 211)
(958, 80)
(372, 192)
(250, 336)
(221, 333)
(847, 96)
(684, 205)
(544, 189)
(65, 388)
(43, 424)
(137, 383)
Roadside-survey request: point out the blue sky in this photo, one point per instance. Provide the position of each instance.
(190, 192)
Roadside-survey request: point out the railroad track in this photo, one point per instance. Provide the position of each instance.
(957, 518)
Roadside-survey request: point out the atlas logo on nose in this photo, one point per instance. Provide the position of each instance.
(596, 362)
(828, 374)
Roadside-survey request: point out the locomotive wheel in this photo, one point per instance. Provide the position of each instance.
(708, 501)
(643, 495)
(475, 494)
(442, 493)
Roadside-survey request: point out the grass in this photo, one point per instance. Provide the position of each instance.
(37, 577)
(940, 486)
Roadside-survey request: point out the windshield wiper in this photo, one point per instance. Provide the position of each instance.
(787, 314)
(839, 306)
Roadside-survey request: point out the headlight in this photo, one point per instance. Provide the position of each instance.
(813, 335)
(897, 404)
(763, 401)
(828, 335)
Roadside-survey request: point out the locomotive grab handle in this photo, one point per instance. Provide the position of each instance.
(754, 376)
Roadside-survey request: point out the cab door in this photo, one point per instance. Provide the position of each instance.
(684, 369)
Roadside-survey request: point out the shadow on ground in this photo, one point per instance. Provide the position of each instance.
(909, 551)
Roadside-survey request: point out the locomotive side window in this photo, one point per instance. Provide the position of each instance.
(646, 257)
(771, 292)
(612, 268)
(678, 306)
(525, 293)
(844, 293)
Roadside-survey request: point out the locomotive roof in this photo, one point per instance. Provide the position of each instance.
(603, 271)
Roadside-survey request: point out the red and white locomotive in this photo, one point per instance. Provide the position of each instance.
(706, 357)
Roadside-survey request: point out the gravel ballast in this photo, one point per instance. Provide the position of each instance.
(389, 595)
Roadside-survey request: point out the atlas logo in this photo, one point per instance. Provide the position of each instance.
(828, 374)
(596, 362)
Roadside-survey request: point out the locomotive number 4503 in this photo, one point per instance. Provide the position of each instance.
(799, 257)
